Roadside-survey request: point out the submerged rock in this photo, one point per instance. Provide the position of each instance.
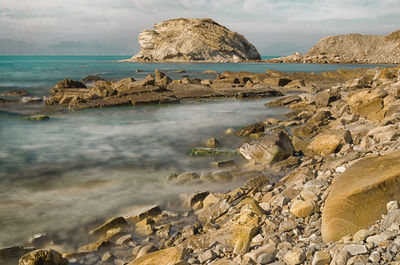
(192, 39)
(202, 151)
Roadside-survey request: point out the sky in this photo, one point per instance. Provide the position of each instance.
(112, 26)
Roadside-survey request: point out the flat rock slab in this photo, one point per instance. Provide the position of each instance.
(358, 197)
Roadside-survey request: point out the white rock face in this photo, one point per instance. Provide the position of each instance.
(193, 40)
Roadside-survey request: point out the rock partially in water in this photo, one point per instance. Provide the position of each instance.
(268, 149)
(192, 39)
(202, 151)
(38, 117)
(48, 257)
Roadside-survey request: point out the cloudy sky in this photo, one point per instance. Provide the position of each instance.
(112, 26)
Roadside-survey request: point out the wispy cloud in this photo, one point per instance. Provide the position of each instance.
(261, 21)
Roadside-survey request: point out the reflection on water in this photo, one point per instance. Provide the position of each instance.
(78, 166)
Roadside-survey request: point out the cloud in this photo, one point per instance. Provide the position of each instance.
(263, 22)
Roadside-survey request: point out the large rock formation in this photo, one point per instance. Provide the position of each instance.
(192, 39)
(351, 48)
(358, 197)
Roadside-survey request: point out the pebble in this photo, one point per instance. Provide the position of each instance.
(355, 249)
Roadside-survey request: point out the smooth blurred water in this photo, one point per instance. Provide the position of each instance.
(60, 173)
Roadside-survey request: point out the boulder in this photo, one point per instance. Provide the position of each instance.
(368, 104)
(324, 144)
(192, 39)
(69, 83)
(161, 257)
(268, 149)
(254, 128)
(358, 196)
(42, 256)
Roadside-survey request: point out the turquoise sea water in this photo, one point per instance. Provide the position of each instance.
(93, 164)
(39, 73)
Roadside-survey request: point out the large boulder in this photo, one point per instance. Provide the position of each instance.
(192, 39)
(268, 149)
(161, 257)
(358, 197)
(42, 256)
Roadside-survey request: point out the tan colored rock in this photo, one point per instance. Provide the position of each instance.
(360, 48)
(324, 144)
(43, 256)
(192, 39)
(268, 149)
(161, 257)
(368, 104)
(276, 81)
(303, 209)
(358, 197)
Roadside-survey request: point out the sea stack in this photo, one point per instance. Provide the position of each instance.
(193, 40)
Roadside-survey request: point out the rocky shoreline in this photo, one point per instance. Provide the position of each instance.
(336, 157)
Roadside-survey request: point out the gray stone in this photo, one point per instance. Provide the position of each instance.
(207, 255)
(361, 235)
(340, 258)
(355, 249)
(265, 258)
(375, 256)
(287, 226)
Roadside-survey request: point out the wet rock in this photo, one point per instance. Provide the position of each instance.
(11, 255)
(116, 222)
(224, 164)
(142, 213)
(42, 256)
(199, 151)
(358, 197)
(268, 149)
(222, 176)
(38, 117)
(212, 142)
(69, 83)
(187, 177)
(15, 93)
(145, 250)
(287, 100)
(254, 128)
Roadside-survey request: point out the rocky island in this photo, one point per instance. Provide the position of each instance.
(352, 48)
(193, 40)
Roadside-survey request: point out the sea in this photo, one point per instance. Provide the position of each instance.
(82, 167)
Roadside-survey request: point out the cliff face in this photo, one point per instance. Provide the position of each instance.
(191, 39)
(352, 48)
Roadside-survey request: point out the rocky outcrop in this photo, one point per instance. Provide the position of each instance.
(193, 40)
(359, 196)
(155, 88)
(352, 48)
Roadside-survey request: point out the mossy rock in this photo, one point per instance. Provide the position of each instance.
(38, 117)
(202, 151)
